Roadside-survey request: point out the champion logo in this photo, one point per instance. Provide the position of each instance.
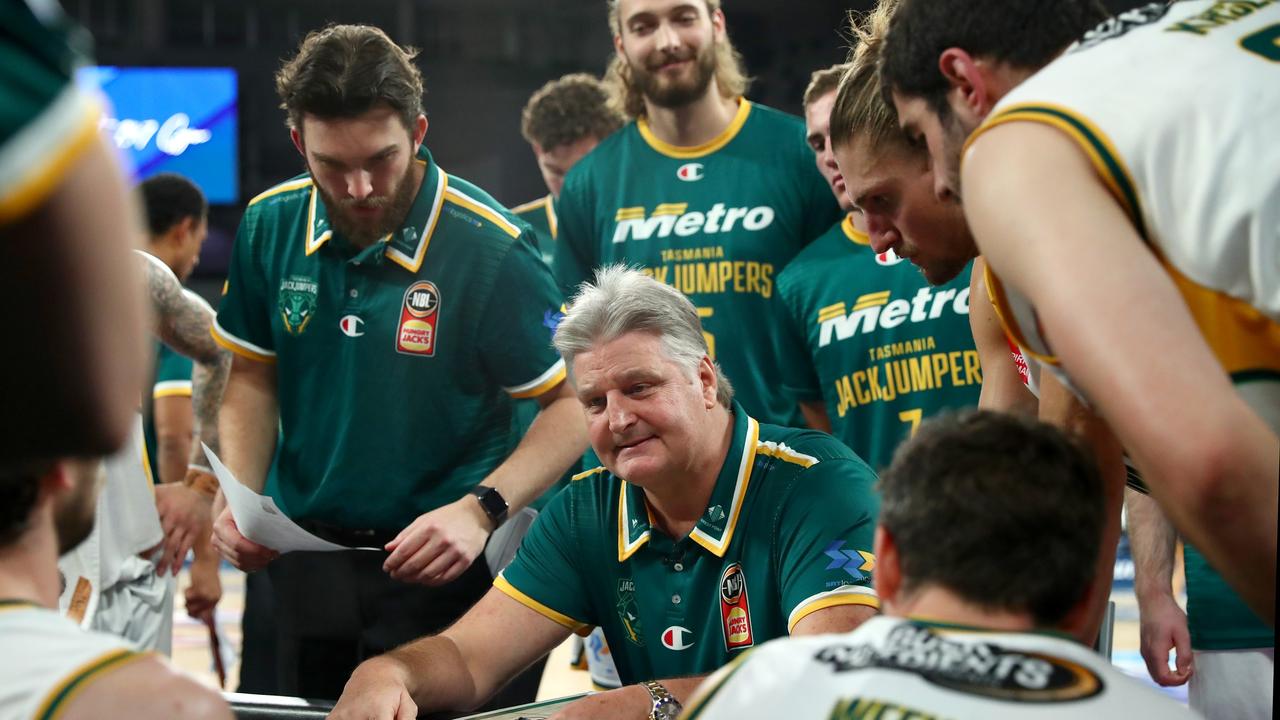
(690, 172)
(351, 325)
(677, 638)
(888, 258)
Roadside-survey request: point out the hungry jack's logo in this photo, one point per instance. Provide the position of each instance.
(419, 320)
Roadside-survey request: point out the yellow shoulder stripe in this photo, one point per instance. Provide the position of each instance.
(588, 473)
(484, 211)
(531, 205)
(41, 181)
(62, 694)
(281, 188)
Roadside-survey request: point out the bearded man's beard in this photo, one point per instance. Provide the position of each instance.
(677, 92)
(365, 231)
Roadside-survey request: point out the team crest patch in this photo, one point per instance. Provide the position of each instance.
(735, 611)
(419, 320)
(629, 611)
(297, 302)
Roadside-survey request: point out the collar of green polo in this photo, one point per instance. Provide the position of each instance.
(714, 530)
(407, 246)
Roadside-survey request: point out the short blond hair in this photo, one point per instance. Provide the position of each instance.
(731, 72)
(824, 81)
(860, 109)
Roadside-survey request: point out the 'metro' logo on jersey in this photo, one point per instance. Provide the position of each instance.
(674, 218)
(876, 310)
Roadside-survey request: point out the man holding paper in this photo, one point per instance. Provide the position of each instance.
(383, 314)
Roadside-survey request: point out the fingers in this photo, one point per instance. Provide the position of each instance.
(236, 548)
(408, 709)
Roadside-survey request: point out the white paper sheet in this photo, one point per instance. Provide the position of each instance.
(259, 519)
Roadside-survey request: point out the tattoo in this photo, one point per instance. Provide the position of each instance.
(183, 322)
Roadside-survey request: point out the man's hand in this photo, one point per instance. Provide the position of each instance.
(205, 590)
(184, 515)
(440, 545)
(376, 691)
(1164, 626)
(240, 551)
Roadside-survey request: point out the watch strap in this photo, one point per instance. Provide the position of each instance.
(492, 502)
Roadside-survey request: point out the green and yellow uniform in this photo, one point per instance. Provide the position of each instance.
(541, 216)
(172, 379)
(787, 532)
(46, 122)
(395, 364)
(886, 349)
(718, 222)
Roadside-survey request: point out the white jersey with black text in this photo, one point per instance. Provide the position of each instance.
(898, 668)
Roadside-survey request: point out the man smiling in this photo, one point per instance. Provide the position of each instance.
(704, 534)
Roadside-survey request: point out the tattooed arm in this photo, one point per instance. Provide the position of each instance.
(183, 321)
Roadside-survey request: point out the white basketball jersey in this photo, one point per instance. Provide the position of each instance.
(896, 668)
(47, 658)
(1178, 109)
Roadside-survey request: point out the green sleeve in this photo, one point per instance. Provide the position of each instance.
(245, 313)
(172, 367)
(825, 532)
(799, 377)
(521, 315)
(545, 575)
(577, 247)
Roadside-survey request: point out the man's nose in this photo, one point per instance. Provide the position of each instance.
(359, 184)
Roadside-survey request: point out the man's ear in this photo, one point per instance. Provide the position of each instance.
(710, 382)
(296, 136)
(887, 575)
(970, 86)
(419, 132)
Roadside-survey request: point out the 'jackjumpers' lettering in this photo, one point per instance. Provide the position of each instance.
(886, 381)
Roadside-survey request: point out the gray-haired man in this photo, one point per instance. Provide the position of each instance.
(705, 532)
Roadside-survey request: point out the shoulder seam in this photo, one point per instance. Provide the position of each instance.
(286, 186)
(457, 197)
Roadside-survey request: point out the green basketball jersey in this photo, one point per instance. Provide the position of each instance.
(395, 364)
(787, 532)
(1217, 618)
(885, 348)
(541, 216)
(45, 121)
(717, 222)
(172, 379)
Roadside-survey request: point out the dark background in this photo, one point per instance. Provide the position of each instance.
(480, 59)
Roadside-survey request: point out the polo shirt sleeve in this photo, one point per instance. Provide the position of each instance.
(243, 323)
(173, 374)
(515, 332)
(577, 248)
(799, 379)
(545, 575)
(46, 123)
(825, 532)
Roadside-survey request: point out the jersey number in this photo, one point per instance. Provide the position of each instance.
(912, 416)
(1265, 42)
(706, 312)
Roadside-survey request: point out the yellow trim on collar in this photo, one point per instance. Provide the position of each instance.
(750, 447)
(588, 473)
(501, 583)
(854, 233)
(412, 264)
(697, 151)
(624, 550)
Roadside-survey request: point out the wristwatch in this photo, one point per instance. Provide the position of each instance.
(665, 706)
(492, 502)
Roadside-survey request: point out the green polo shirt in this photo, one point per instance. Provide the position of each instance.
(541, 216)
(46, 123)
(885, 349)
(718, 222)
(787, 531)
(172, 379)
(396, 364)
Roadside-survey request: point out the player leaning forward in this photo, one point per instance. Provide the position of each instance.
(724, 533)
(383, 313)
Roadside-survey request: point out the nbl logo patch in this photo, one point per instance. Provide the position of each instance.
(419, 320)
(735, 611)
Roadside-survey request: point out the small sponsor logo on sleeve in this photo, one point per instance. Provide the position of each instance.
(735, 610)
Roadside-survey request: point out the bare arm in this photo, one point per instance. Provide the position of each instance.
(171, 416)
(457, 669)
(71, 291)
(1051, 229)
(1162, 624)
(438, 546)
(183, 322)
(815, 414)
(1002, 386)
(146, 689)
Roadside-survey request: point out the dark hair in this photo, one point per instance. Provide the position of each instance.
(1004, 511)
(19, 488)
(568, 109)
(1023, 33)
(344, 71)
(168, 199)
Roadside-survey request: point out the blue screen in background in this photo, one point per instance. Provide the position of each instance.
(180, 120)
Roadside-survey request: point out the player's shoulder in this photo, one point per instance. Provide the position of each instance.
(467, 207)
(147, 687)
(770, 117)
(801, 447)
(292, 193)
(816, 257)
(603, 160)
